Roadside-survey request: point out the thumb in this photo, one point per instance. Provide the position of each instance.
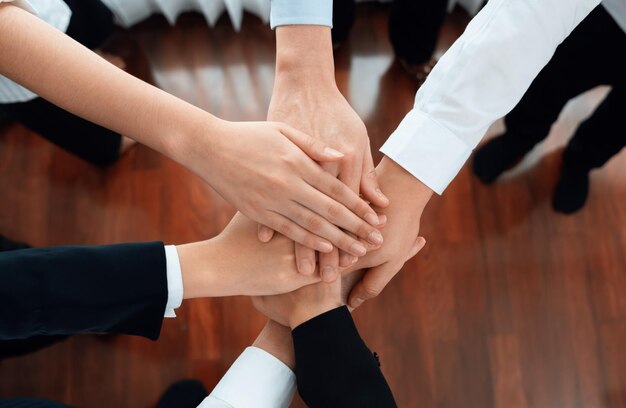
(313, 148)
(373, 282)
(369, 183)
(417, 246)
(264, 233)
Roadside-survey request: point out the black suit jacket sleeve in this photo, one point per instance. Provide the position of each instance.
(334, 367)
(69, 290)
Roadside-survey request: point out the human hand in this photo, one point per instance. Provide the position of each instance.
(236, 263)
(306, 96)
(267, 170)
(408, 199)
(294, 308)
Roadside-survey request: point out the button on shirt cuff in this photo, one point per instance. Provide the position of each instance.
(256, 379)
(174, 281)
(427, 150)
(300, 12)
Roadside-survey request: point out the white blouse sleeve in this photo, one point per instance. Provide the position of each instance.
(22, 4)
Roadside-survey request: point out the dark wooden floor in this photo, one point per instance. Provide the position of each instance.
(510, 305)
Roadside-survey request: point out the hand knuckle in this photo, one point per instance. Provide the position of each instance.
(337, 189)
(333, 211)
(371, 291)
(313, 223)
(285, 228)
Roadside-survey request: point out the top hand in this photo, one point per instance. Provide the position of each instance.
(265, 170)
(306, 96)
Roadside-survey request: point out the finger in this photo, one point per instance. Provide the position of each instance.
(341, 194)
(293, 231)
(375, 279)
(313, 148)
(329, 266)
(265, 234)
(321, 227)
(340, 216)
(370, 189)
(373, 282)
(417, 246)
(305, 259)
(382, 220)
(346, 260)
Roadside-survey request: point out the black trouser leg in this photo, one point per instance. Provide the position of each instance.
(573, 69)
(414, 27)
(601, 136)
(91, 25)
(344, 12)
(82, 138)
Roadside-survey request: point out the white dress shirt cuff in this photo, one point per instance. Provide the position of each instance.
(256, 379)
(427, 150)
(174, 281)
(299, 12)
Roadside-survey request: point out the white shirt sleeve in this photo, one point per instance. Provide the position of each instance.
(21, 4)
(295, 12)
(256, 379)
(480, 79)
(174, 281)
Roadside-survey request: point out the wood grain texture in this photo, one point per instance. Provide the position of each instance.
(509, 305)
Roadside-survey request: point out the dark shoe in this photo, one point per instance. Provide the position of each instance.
(570, 194)
(183, 394)
(8, 245)
(495, 157)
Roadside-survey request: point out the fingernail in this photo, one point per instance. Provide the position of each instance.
(357, 302)
(325, 247)
(306, 267)
(358, 249)
(328, 273)
(265, 234)
(372, 219)
(375, 238)
(382, 219)
(354, 260)
(330, 152)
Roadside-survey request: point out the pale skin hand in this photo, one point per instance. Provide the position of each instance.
(293, 309)
(408, 197)
(226, 155)
(306, 96)
(235, 263)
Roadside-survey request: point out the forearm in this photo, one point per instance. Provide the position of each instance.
(71, 76)
(478, 80)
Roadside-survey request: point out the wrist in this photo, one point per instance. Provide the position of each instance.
(303, 313)
(199, 271)
(304, 55)
(193, 140)
(391, 173)
(276, 340)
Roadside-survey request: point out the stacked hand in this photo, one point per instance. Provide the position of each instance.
(305, 96)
